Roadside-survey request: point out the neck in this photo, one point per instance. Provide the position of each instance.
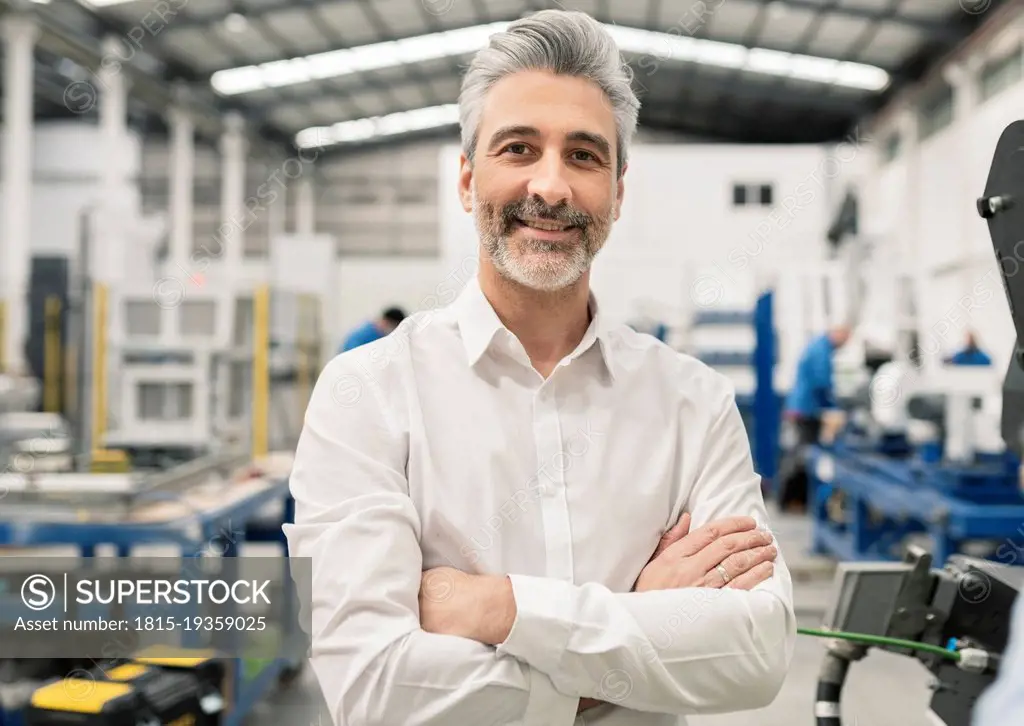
(549, 324)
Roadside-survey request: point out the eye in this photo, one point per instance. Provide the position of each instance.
(517, 148)
(582, 155)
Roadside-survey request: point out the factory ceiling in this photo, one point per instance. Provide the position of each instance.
(347, 73)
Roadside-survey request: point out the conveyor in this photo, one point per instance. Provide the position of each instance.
(192, 506)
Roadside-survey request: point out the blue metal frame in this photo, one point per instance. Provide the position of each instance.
(761, 411)
(230, 519)
(888, 499)
(767, 403)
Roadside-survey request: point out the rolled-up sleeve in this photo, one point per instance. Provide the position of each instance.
(682, 651)
(355, 520)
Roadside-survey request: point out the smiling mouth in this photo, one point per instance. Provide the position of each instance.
(546, 225)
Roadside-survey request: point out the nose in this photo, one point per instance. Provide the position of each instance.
(549, 181)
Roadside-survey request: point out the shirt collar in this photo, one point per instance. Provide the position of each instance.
(479, 324)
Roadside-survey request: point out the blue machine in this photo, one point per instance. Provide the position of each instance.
(868, 495)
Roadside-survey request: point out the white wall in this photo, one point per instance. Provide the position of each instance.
(921, 205)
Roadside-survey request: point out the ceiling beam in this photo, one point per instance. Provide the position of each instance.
(156, 93)
(749, 92)
(936, 29)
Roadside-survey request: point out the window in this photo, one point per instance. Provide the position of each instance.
(936, 111)
(1001, 73)
(142, 317)
(163, 401)
(752, 195)
(197, 318)
(243, 321)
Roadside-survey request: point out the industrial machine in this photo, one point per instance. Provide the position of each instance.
(952, 612)
(954, 619)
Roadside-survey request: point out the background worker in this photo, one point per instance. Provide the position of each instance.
(812, 394)
(971, 355)
(373, 330)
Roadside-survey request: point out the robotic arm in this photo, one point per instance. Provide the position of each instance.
(1003, 208)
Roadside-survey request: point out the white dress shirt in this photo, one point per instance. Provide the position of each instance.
(441, 445)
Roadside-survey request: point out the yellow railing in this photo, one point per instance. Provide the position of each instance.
(261, 372)
(307, 345)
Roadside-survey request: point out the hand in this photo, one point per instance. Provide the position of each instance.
(745, 553)
(678, 531)
(478, 607)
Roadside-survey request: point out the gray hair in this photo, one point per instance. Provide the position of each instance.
(565, 42)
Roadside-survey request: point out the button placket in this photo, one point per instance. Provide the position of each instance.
(551, 472)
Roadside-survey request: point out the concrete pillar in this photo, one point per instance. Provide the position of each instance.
(231, 233)
(182, 186)
(914, 249)
(112, 231)
(278, 208)
(20, 34)
(305, 207)
(963, 78)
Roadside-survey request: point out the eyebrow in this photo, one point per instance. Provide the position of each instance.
(596, 140)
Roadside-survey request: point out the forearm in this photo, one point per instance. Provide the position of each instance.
(692, 650)
(374, 663)
(422, 679)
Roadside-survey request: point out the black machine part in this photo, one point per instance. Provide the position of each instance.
(1003, 208)
(969, 601)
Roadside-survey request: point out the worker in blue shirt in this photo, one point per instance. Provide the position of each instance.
(971, 355)
(1002, 704)
(373, 330)
(811, 395)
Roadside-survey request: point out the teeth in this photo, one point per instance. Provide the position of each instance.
(547, 226)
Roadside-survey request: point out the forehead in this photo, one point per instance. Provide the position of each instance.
(555, 105)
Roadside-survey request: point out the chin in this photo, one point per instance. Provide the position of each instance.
(542, 277)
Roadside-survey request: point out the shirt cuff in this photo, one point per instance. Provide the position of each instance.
(543, 624)
(546, 706)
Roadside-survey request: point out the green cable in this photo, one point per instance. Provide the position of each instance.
(881, 640)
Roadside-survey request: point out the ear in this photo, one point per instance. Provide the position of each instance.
(466, 183)
(620, 189)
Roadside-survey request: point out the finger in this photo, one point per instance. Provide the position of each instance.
(752, 578)
(680, 530)
(702, 537)
(723, 547)
(741, 562)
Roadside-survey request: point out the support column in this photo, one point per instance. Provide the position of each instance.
(182, 185)
(963, 78)
(231, 234)
(115, 201)
(20, 34)
(277, 210)
(907, 231)
(305, 207)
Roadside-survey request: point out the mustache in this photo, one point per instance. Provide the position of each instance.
(533, 207)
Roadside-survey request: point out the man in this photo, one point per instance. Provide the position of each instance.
(373, 330)
(810, 396)
(521, 513)
(971, 355)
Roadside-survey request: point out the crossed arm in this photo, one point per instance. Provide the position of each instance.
(544, 644)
